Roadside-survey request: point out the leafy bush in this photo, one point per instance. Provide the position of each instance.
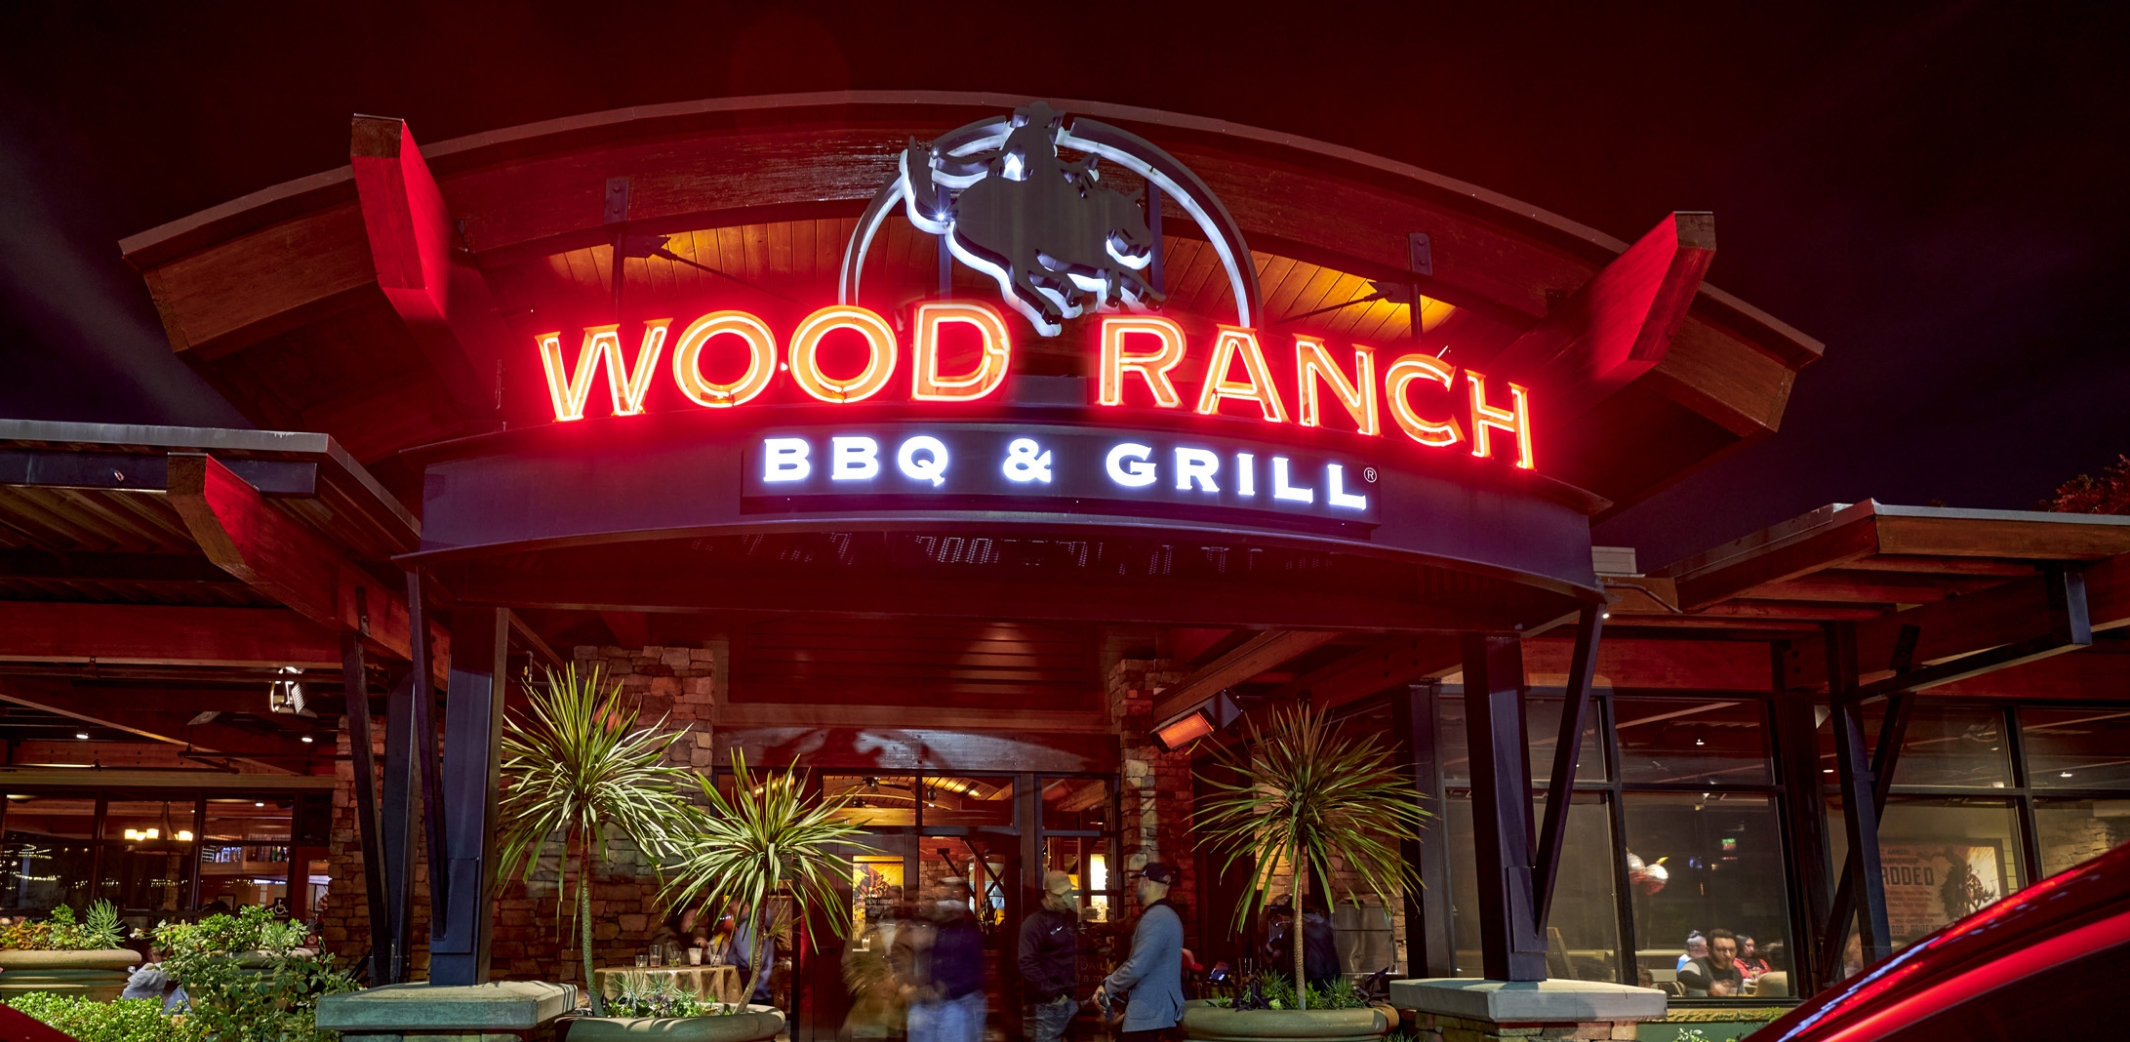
(61, 932)
(121, 1020)
(275, 1000)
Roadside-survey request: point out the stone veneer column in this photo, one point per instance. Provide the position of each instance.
(1155, 785)
(1465, 1010)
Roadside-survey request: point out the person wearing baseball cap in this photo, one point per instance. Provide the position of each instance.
(1152, 976)
(1050, 958)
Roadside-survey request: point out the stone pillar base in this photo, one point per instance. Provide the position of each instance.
(505, 1011)
(1463, 1010)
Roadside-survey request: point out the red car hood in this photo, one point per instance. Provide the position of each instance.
(2046, 958)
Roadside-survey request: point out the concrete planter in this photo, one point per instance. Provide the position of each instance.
(1213, 1024)
(759, 1023)
(1713, 1024)
(98, 975)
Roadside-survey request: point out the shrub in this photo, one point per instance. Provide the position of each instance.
(122, 1020)
(273, 1002)
(61, 932)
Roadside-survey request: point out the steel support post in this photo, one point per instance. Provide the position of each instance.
(1430, 950)
(1859, 794)
(354, 680)
(473, 734)
(1804, 803)
(1501, 809)
(399, 827)
(1560, 787)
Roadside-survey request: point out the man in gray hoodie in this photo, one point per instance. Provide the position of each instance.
(1152, 977)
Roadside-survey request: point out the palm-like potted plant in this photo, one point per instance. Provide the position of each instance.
(1295, 797)
(767, 837)
(576, 767)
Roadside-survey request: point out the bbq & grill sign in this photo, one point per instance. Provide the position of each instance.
(1061, 244)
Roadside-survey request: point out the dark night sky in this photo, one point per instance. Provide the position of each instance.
(1941, 193)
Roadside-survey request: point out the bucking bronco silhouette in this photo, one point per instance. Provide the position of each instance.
(1049, 231)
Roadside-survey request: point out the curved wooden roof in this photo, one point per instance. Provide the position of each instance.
(284, 299)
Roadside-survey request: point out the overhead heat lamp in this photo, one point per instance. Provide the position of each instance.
(1216, 713)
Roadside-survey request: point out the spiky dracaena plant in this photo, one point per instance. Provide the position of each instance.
(577, 767)
(767, 834)
(1299, 794)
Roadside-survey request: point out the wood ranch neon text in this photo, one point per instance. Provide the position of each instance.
(1141, 361)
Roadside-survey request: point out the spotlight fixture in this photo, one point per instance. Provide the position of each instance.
(83, 735)
(1214, 714)
(306, 739)
(286, 695)
(258, 804)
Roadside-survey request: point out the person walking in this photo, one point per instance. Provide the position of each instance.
(946, 970)
(1050, 958)
(1152, 976)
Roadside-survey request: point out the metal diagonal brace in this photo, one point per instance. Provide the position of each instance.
(2069, 627)
(1560, 789)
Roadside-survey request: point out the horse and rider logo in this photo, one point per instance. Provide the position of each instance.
(1058, 241)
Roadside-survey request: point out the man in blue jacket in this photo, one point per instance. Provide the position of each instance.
(1152, 977)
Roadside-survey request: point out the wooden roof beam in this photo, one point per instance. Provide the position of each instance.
(1246, 660)
(1619, 325)
(159, 634)
(424, 268)
(274, 752)
(1996, 617)
(258, 543)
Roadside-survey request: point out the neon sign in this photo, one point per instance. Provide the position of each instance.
(1134, 353)
(925, 462)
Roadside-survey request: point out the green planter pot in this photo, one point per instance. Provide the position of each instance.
(98, 975)
(759, 1023)
(1213, 1024)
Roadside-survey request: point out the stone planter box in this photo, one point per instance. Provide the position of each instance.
(98, 975)
(756, 1025)
(1214, 1024)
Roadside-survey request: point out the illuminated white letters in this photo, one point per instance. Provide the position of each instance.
(854, 459)
(1128, 465)
(1196, 465)
(1281, 489)
(1026, 461)
(1335, 490)
(784, 459)
(932, 466)
(1246, 474)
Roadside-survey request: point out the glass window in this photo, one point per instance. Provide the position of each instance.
(1699, 862)
(1087, 860)
(1942, 858)
(1682, 742)
(148, 846)
(1542, 721)
(1946, 745)
(2077, 748)
(46, 852)
(1076, 804)
(244, 853)
(879, 800)
(1583, 937)
(2073, 832)
(968, 800)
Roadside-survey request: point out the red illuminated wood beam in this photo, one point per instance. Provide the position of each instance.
(274, 751)
(160, 634)
(1383, 665)
(1619, 325)
(1253, 656)
(1720, 665)
(260, 544)
(423, 266)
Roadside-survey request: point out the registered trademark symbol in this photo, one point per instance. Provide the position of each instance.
(1368, 474)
